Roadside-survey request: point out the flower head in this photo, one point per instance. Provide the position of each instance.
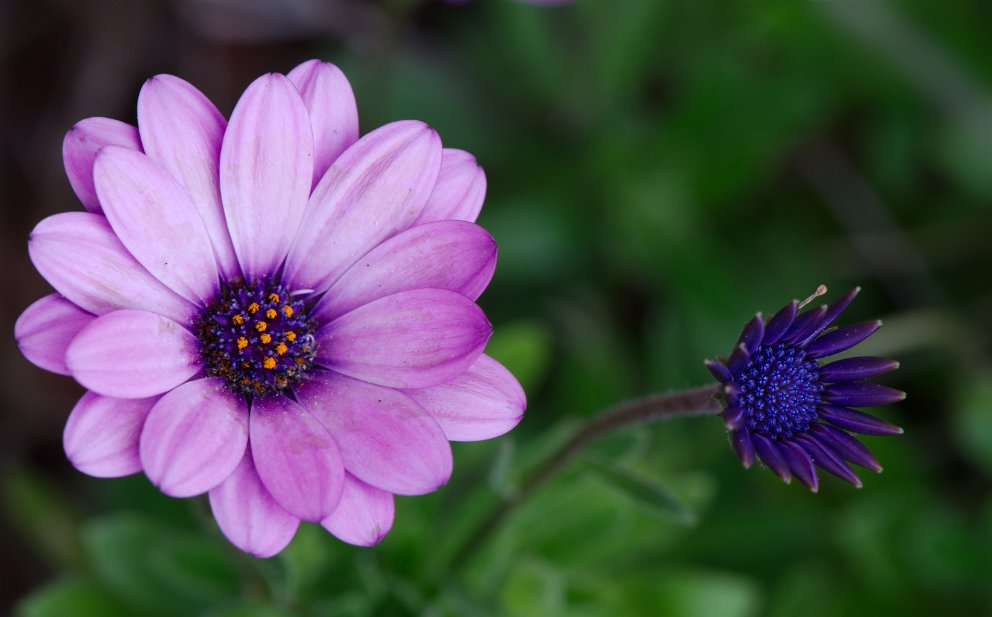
(791, 411)
(270, 309)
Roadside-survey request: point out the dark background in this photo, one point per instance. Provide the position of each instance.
(658, 171)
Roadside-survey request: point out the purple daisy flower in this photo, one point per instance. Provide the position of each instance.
(792, 412)
(270, 310)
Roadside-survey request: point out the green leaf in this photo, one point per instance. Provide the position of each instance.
(642, 489)
(69, 598)
(157, 568)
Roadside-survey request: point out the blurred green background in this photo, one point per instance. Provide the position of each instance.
(658, 171)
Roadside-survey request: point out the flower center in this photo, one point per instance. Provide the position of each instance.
(256, 336)
(779, 391)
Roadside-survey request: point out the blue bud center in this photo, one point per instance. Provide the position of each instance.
(779, 391)
(256, 337)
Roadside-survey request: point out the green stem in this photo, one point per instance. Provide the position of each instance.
(657, 407)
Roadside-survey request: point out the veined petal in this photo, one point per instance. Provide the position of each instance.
(182, 131)
(832, 312)
(363, 516)
(483, 402)
(45, 329)
(846, 446)
(856, 421)
(412, 339)
(132, 354)
(856, 369)
(375, 189)
(740, 441)
(752, 334)
(154, 218)
(828, 460)
(266, 164)
(840, 339)
(460, 189)
(296, 458)
(81, 257)
(719, 371)
(79, 149)
(780, 323)
(771, 455)
(862, 394)
(385, 438)
(248, 515)
(738, 359)
(102, 433)
(452, 255)
(801, 464)
(805, 325)
(330, 103)
(194, 438)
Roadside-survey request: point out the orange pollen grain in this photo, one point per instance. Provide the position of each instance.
(288, 310)
(261, 326)
(242, 342)
(290, 336)
(269, 362)
(238, 320)
(273, 297)
(271, 313)
(281, 348)
(253, 308)
(265, 338)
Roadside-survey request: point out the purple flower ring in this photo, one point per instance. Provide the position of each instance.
(270, 310)
(794, 413)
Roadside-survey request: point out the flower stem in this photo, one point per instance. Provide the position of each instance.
(656, 407)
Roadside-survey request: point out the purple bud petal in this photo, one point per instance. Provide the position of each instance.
(738, 359)
(719, 371)
(828, 460)
(733, 417)
(862, 394)
(780, 323)
(800, 464)
(811, 321)
(740, 441)
(833, 312)
(856, 421)
(856, 369)
(800, 323)
(841, 339)
(752, 334)
(846, 446)
(771, 456)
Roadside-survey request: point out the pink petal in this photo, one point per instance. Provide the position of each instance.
(182, 131)
(132, 354)
(363, 516)
(266, 164)
(333, 114)
(483, 402)
(194, 438)
(45, 329)
(460, 189)
(386, 439)
(248, 515)
(452, 255)
(101, 435)
(296, 458)
(79, 149)
(155, 220)
(375, 189)
(80, 256)
(411, 339)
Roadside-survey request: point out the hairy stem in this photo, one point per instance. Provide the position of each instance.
(657, 407)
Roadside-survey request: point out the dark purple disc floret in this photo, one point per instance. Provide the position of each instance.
(786, 408)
